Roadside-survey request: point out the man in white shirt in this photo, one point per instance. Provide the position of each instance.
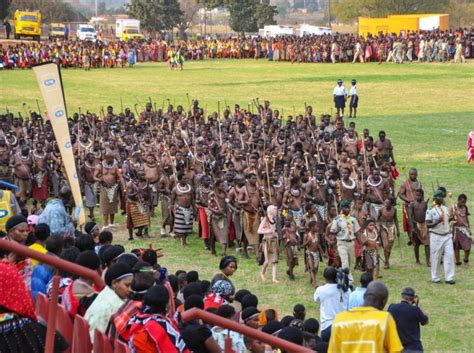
(358, 53)
(438, 221)
(354, 102)
(340, 96)
(333, 51)
(332, 301)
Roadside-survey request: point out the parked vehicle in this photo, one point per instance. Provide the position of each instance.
(27, 24)
(57, 30)
(86, 32)
(126, 29)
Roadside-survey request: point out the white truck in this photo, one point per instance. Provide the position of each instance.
(126, 29)
(86, 32)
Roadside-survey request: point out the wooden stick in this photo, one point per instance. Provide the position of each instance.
(268, 180)
(219, 121)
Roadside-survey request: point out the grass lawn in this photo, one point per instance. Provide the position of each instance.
(426, 110)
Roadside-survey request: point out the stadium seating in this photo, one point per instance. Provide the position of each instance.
(42, 304)
(64, 326)
(81, 341)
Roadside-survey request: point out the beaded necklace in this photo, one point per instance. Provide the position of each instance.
(348, 222)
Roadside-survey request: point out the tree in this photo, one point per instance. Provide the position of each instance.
(4, 8)
(242, 17)
(155, 15)
(348, 10)
(211, 4)
(101, 8)
(265, 13)
(249, 15)
(282, 7)
(461, 12)
(189, 9)
(52, 10)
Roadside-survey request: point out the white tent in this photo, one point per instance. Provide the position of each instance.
(273, 31)
(308, 29)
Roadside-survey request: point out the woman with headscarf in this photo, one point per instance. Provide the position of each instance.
(19, 329)
(270, 242)
(222, 292)
(17, 230)
(151, 331)
(142, 281)
(118, 280)
(228, 266)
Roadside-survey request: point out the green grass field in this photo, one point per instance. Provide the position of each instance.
(426, 110)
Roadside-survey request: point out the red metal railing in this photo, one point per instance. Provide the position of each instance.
(95, 277)
(273, 341)
(54, 261)
(58, 263)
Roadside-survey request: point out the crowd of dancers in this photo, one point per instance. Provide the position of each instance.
(247, 177)
(429, 46)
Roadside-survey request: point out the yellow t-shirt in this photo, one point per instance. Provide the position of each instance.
(364, 330)
(37, 247)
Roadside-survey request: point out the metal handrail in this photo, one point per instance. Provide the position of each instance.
(54, 261)
(273, 341)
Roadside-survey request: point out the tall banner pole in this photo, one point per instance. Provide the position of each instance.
(51, 87)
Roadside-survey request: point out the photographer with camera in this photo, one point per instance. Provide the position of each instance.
(409, 316)
(332, 297)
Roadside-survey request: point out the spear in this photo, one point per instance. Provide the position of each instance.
(136, 110)
(38, 106)
(138, 101)
(219, 120)
(151, 102)
(24, 108)
(189, 101)
(268, 180)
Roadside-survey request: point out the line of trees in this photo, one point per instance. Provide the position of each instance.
(158, 15)
(461, 12)
(52, 10)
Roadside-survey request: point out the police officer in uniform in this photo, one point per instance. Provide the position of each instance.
(354, 94)
(340, 96)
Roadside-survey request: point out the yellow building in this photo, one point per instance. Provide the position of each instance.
(399, 23)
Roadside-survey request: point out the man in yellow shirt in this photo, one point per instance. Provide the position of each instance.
(366, 329)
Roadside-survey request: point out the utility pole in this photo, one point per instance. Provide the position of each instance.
(304, 11)
(329, 14)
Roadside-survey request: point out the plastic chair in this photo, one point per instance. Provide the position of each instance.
(42, 307)
(102, 343)
(81, 340)
(65, 326)
(121, 347)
